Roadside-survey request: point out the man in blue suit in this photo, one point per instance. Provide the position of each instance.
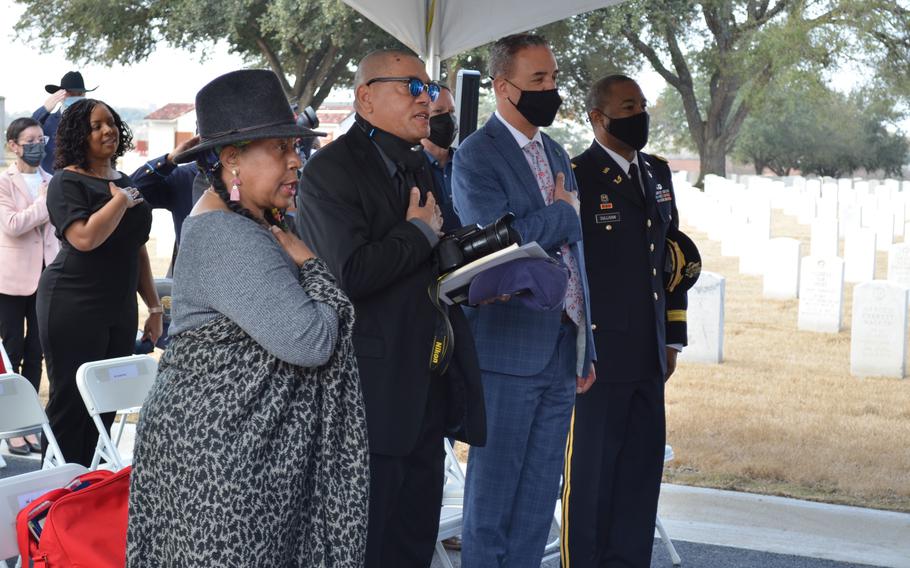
(532, 362)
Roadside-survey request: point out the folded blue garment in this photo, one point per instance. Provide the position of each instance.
(538, 283)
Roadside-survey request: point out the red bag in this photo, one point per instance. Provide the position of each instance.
(84, 526)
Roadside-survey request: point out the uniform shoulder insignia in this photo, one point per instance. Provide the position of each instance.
(661, 158)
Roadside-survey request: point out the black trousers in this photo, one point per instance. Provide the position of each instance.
(72, 336)
(406, 495)
(613, 470)
(19, 331)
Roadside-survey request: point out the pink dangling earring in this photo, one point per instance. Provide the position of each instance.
(235, 187)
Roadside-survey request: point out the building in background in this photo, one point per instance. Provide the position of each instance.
(168, 126)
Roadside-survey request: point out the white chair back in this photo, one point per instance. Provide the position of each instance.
(6, 365)
(18, 491)
(114, 385)
(21, 413)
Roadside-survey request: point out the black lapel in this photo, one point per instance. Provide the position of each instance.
(647, 178)
(371, 167)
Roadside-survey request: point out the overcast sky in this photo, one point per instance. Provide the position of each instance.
(168, 76)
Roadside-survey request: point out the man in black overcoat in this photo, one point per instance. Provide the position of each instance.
(366, 208)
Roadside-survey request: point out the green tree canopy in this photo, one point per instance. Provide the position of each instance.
(802, 124)
(310, 44)
(721, 55)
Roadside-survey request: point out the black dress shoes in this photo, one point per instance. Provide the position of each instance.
(35, 447)
(22, 450)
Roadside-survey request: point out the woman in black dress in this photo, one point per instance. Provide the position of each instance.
(86, 302)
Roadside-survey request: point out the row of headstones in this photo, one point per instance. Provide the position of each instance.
(879, 319)
(878, 332)
(878, 339)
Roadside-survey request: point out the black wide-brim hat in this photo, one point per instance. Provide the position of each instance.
(71, 81)
(683, 266)
(242, 106)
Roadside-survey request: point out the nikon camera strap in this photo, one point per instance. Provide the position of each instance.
(443, 336)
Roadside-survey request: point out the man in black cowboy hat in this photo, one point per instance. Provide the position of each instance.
(366, 208)
(616, 443)
(71, 89)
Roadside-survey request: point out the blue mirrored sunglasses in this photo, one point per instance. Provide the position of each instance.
(416, 86)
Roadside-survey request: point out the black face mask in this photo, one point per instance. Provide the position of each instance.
(443, 130)
(538, 107)
(32, 154)
(633, 130)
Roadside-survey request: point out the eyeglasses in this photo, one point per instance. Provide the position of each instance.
(41, 140)
(416, 86)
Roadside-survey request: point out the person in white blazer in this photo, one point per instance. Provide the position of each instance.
(27, 245)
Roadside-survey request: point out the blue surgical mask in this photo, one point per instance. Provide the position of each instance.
(68, 101)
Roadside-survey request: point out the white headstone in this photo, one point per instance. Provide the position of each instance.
(824, 238)
(705, 320)
(826, 207)
(807, 209)
(899, 264)
(869, 212)
(814, 187)
(900, 219)
(781, 270)
(859, 255)
(821, 294)
(849, 220)
(884, 229)
(878, 342)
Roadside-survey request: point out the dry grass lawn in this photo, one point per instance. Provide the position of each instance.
(782, 415)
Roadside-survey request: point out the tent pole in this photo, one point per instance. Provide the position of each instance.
(434, 34)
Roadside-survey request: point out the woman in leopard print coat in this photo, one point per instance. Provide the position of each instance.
(251, 447)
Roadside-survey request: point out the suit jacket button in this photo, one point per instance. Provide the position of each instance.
(593, 327)
(653, 272)
(652, 247)
(656, 296)
(609, 227)
(649, 223)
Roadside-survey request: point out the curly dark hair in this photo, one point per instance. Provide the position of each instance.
(75, 129)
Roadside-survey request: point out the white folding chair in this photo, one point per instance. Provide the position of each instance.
(453, 490)
(450, 515)
(21, 413)
(114, 385)
(18, 491)
(5, 367)
(664, 537)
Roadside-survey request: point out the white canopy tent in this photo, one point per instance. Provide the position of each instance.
(438, 29)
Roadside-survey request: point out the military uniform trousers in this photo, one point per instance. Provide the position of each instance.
(614, 465)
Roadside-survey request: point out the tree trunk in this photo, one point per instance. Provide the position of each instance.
(712, 160)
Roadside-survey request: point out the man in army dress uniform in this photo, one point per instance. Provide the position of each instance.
(614, 458)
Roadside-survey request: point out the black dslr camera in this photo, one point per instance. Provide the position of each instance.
(467, 244)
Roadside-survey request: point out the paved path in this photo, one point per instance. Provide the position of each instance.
(726, 529)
